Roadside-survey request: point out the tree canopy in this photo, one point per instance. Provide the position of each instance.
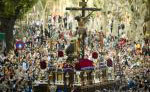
(15, 8)
(10, 11)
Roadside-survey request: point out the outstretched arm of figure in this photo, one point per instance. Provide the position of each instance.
(85, 19)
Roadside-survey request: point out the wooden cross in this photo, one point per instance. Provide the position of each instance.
(83, 19)
(84, 8)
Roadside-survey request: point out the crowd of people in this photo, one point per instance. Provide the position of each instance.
(21, 68)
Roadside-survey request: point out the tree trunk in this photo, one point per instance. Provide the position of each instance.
(147, 21)
(7, 26)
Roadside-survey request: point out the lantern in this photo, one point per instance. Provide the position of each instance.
(43, 64)
(20, 45)
(95, 55)
(60, 53)
(109, 63)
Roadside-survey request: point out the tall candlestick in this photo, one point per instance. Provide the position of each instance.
(85, 78)
(67, 78)
(62, 78)
(56, 81)
(101, 76)
(78, 78)
(93, 77)
(51, 78)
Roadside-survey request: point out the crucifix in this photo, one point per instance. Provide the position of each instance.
(82, 21)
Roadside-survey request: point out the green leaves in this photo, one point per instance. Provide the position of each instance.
(97, 3)
(15, 8)
(7, 8)
(43, 2)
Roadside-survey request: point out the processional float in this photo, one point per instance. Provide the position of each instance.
(82, 72)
